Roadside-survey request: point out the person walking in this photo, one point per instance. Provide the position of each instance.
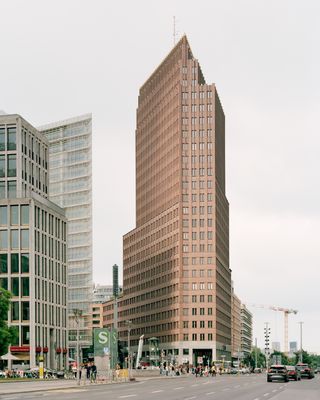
(93, 373)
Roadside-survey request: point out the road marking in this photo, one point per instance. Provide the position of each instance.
(157, 391)
(190, 398)
(178, 388)
(208, 394)
(226, 389)
(206, 383)
(274, 390)
(197, 384)
(266, 394)
(128, 395)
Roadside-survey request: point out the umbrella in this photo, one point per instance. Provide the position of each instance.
(9, 356)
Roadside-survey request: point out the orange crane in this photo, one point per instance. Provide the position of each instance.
(286, 312)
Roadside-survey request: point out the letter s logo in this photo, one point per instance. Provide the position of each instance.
(103, 337)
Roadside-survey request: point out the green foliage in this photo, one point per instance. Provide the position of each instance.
(250, 359)
(7, 334)
(311, 359)
(284, 357)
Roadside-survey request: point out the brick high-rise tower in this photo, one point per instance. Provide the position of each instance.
(177, 281)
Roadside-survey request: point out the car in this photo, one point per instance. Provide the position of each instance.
(278, 373)
(293, 372)
(257, 370)
(305, 370)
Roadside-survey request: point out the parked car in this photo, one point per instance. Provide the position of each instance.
(257, 370)
(305, 371)
(277, 372)
(293, 372)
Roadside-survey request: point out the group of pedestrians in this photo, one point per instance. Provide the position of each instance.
(206, 371)
(91, 371)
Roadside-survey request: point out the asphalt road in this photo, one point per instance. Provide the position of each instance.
(253, 387)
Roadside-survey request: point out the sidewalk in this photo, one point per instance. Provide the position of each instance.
(36, 386)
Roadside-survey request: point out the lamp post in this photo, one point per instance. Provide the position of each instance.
(77, 315)
(129, 325)
(267, 342)
(300, 356)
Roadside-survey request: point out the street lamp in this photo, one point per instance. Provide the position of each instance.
(129, 325)
(300, 356)
(77, 315)
(267, 343)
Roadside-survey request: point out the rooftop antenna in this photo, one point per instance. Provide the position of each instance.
(175, 33)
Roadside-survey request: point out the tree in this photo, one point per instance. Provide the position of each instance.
(7, 334)
(250, 359)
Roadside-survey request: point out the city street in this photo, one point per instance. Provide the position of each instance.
(253, 387)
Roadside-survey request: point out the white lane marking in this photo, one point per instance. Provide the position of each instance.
(206, 383)
(157, 391)
(226, 389)
(178, 388)
(266, 394)
(190, 398)
(274, 390)
(208, 394)
(281, 387)
(197, 384)
(237, 386)
(128, 395)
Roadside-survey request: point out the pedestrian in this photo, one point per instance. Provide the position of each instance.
(88, 370)
(93, 373)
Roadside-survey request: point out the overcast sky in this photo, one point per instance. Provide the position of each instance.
(59, 59)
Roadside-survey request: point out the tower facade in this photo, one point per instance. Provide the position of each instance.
(33, 247)
(177, 280)
(70, 185)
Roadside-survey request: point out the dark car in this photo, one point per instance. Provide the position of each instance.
(277, 373)
(293, 372)
(305, 371)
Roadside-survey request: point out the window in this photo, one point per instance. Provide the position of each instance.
(210, 260)
(24, 263)
(209, 311)
(25, 310)
(210, 336)
(11, 143)
(194, 235)
(24, 238)
(194, 311)
(25, 286)
(210, 325)
(209, 272)
(201, 311)
(185, 210)
(24, 215)
(12, 167)
(210, 285)
(2, 139)
(194, 248)
(202, 336)
(185, 311)
(15, 263)
(185, 235)
(2, 166)
(14, 238)
(209, 209)
(194, 273)
(194, 286)
(185, 337)
(194, 298)
(209, 298)
(12, 189)
(194, 324)
(202, 298)
(201, 286)
(14, 215)
(194, 260)
(185, 324)
(15, 286)
(210, 222)
(3, 215)
(4, 283)
(3, 240)
(15, 311)
(194, 336)
(201, 324)
(3, 263)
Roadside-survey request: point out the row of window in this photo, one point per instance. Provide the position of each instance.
(8, 189)
(19, 263)
(7, 138)
(195, 95)
(47, 222)
(197, 184)
(20, 311)
(197, 107)
(194, 146)
(202, 235)
(197, 286)
(8, 165)
(196, 260)
(202, 133)
(201, 222)
(33, 148)
(194, 210)
(15, 215)
(50, 269)
(194, 311)
(194, 337)
(197, 120)
(14, 239)
(19, 286)
(195, 324)
(194, 197)
(201, 159)
(195, 248)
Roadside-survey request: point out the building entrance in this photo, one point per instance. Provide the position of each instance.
(202, 357)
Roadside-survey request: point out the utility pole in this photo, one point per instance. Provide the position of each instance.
(256, 353)
(129, 324)
(300, 323)
(267, 343)
(77, 315)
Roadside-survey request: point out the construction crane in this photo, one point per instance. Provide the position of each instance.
(286, 312)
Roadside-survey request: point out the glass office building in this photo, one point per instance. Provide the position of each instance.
(70, 186)
(32, 247)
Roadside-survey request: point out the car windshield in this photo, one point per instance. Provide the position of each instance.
(302, 367)
(277, 369)
(291, 367)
